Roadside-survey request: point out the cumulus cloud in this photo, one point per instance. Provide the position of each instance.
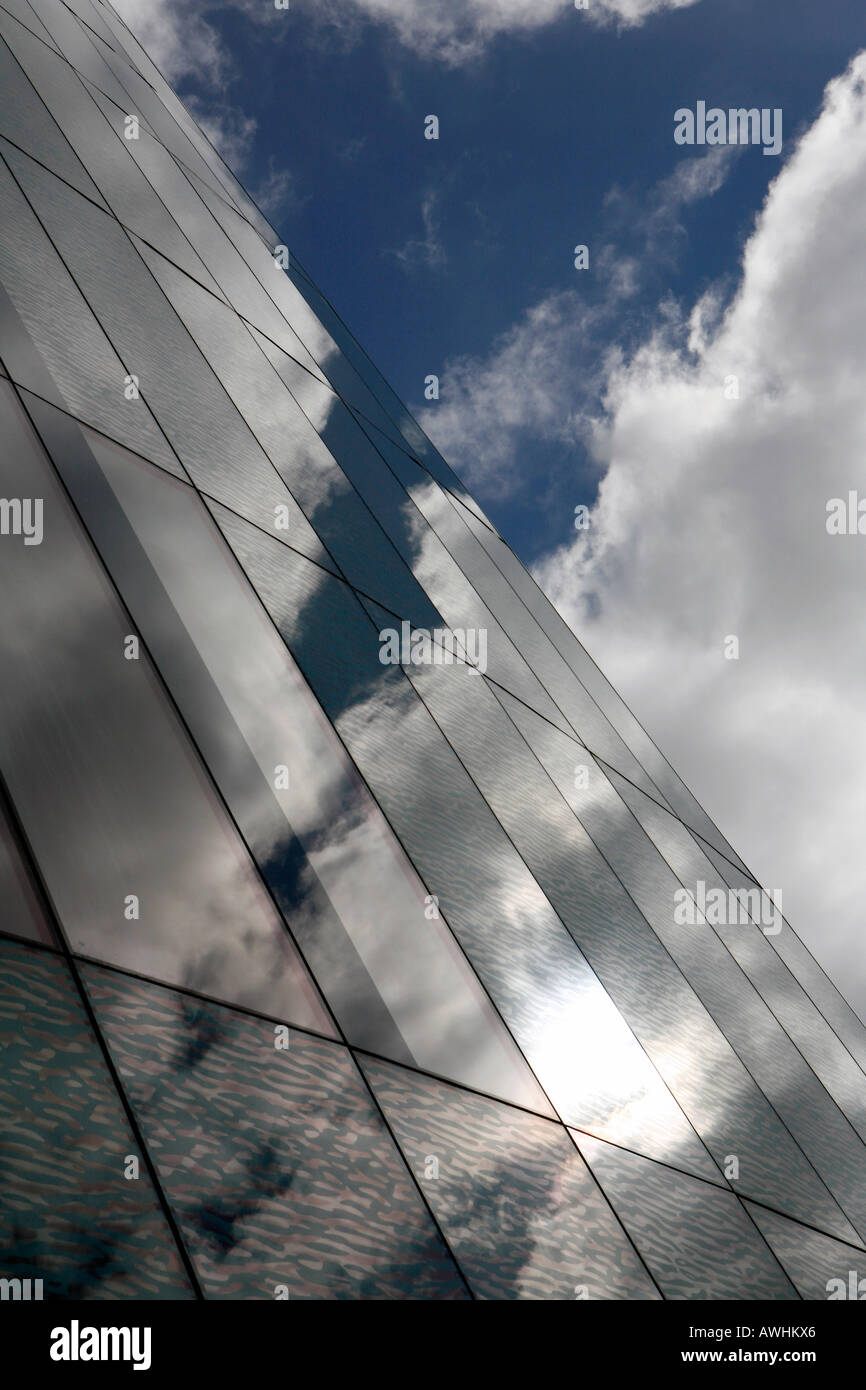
(711, 522)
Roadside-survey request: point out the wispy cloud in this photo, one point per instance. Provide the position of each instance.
(227, 127)
(543, 378)
(178, 38)
(187, 47)
(427, 250)
(460, 31)
(277, 194)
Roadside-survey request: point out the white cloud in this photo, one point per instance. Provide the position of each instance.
(177, 37)
(529, 388)
(457, 31)
(711, 521)
(227, 127)
(543, 378)
(277, 193)
(184, 45)
(427, 250)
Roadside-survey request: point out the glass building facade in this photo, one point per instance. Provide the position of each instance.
(325, 975)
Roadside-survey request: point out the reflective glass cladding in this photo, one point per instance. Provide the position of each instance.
(368, 956)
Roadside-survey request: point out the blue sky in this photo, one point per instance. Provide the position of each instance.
(607, 386)
(433, 249)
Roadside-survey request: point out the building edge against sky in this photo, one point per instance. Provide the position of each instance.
(325, 974)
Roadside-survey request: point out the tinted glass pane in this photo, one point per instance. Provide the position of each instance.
(818, 1266)
(47, 312)
(126, 43)
(142, 864)
(24, 12)
(252, 294)
(349, 530)
(26, 120)
(166, 178)
(395, 978)
(377, 400)
(702, 953)
(280, 1170)
(642, 977)
(72, 38)
(238, 206)
(434, 568)
(520, 1210)
(541, 984)
(68, 1215)
(746, 922)
(803, 965)
(200, 421)
(128, 193)
(145, 103)
(669, 784)
(60, 85)
(581, 711)
(92, 17)
(717, 1252)
(20, 908)
(219, 175)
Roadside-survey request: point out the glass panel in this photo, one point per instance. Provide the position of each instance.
(25, 13)
(210, 436)
(377, 400)
(68, 1215)
(26, 121)
(397, 981)
(146, 103)
(165, 175)
(128, 192)
(235, 205)
(250, 294)
(349, 531)
(518, 1207)
(434, 568)
(143, 867)
(696, 1240)
(819, 1267)
(579, 709)
(221, 177)
(655, 764)
(804, 967)
(644, 980)
(540, 983)
(283, 1177)
(815, 1122)
(92, 17)
(127, 44)
(56, 81)
(88, 381)
(73, 40)
(232, 207)
(21, 911)
(748, 922)
(295, 310)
